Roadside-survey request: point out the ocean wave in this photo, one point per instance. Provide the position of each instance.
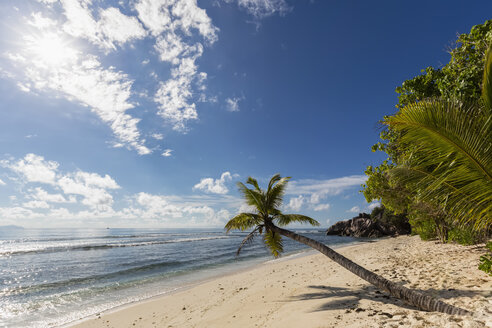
(309, 231)
(68, 239)
(90, 279)
(88, 247)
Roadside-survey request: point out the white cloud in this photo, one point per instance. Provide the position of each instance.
(232, 104)
(95, 180)
(49, 62)
(173, 96)
(91, 186)
(119, 28)
(215, 186)
(170, 47)
(296, 203)
(263, 8)
(40, 194)
(167, 153)
(317, 189)
(34, 168)
(321, 207)
(36, 204)
(165, 208)
(355, 209)
(168, 21)
(113, 27)
(90, 195)
(315, 198)
(157, 136)
(245, 208)
(157, 206)
(16, 212)
(164, 15)
(106, 91)
(48, 1)
(2, 183)
(41, 22)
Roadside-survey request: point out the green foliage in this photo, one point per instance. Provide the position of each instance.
(463, 75)
(266, 204)
(439, 142)
(487, 73)
(387, 217)
(274, 242)
(420, 87)
(465, 235)
(460, 78)
(425, 228)
(486, 260)
(242, 221)
(452, 164)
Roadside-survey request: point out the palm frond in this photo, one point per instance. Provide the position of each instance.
(275, 212)
(272, 182)
(274, 242)
(254, 183)
(276, 191)
(487, 80)
(243, 221)
(459, 203)
(285, 219)
(252, 197)
(249, 238)
(452, 158)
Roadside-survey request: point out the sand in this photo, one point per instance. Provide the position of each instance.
(313, 291)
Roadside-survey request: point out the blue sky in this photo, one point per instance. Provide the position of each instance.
(145, 113)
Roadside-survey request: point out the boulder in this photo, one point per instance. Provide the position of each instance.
(363, 226)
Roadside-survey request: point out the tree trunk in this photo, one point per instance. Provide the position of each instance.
(417, 299)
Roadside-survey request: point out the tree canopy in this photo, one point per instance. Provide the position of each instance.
(449, 94)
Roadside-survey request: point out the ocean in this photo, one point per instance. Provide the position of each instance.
(51, 277)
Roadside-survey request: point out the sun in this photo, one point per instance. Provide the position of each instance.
(49, 49)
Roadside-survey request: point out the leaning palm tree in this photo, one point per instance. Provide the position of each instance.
(266, 219)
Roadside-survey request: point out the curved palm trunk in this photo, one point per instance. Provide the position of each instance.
(412, 297)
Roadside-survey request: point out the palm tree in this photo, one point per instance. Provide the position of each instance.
(267, 219)
(450, 163)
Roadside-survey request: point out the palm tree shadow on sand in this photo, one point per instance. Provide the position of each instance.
(340, 298)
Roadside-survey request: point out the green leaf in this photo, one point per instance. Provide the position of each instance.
(451, 163)
(274, 242)
(249, 239)
(285, 219)
(487, 80)
(243, 221)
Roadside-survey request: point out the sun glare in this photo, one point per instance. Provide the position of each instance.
(51, 50)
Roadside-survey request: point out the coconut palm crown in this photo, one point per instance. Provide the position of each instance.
(266, 213)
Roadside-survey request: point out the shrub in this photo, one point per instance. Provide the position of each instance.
(486, 260)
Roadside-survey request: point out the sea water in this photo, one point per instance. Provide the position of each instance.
(50, 277)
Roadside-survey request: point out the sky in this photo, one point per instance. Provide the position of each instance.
(146, 113)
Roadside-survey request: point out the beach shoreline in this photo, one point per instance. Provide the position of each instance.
(229, 271)
(313, 291)
(195, 283)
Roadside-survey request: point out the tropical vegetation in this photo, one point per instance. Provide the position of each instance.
(439, 144)
(486, 260)
(267, 220)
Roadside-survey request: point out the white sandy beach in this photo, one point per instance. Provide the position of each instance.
(313, 291)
